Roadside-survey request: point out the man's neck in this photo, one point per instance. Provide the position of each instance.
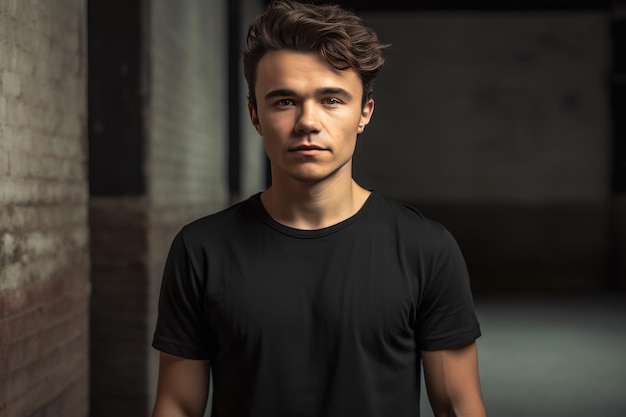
(313, 206)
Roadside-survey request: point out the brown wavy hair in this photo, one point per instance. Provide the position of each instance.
(338, 35)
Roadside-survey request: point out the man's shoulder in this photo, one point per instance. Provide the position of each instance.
(220, 223)
(408, 215)
(413, 228)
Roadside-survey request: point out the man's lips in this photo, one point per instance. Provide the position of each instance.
(307, 149)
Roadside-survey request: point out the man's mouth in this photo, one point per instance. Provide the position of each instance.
(307, 149)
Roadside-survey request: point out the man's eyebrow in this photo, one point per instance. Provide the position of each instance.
(337, 91)
(281, 92)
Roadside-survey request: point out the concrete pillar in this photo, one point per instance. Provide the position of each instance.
(158, 140)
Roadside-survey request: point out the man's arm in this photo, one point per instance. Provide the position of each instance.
(183, 387)
(452, 382)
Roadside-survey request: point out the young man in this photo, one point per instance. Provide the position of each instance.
(316, 297)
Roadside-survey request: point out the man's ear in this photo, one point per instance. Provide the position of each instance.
(254, 117)
(366, 115)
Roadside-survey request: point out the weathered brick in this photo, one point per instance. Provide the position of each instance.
(39, 383)
(4, 162)
(40, 347)
(43, 215)
(3, 108)
(11, 83)
(28, 191)
(21, 218)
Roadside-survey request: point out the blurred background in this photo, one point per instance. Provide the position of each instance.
(120, 121)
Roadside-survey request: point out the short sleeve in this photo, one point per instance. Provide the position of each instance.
(181, 328)
(446, 315)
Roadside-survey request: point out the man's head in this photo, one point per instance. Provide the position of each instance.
(337, 35)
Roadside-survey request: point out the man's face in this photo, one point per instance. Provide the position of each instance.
(309, 115)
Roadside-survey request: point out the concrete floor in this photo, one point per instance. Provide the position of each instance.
(552, 356)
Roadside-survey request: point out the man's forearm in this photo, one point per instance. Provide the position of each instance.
(168, 409)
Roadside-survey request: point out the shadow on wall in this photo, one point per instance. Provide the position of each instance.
(498, 126)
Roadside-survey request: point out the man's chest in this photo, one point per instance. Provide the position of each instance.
(343, 291)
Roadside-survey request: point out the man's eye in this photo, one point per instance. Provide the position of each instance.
(285, 102)
(331, 101)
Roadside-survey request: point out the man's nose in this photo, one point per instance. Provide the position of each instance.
(308, 118)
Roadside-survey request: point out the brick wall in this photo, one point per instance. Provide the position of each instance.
(44, 260)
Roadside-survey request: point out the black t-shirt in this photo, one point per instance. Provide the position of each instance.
(322, 323)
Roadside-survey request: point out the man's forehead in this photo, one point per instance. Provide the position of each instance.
(286, 69)
(295, 61)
